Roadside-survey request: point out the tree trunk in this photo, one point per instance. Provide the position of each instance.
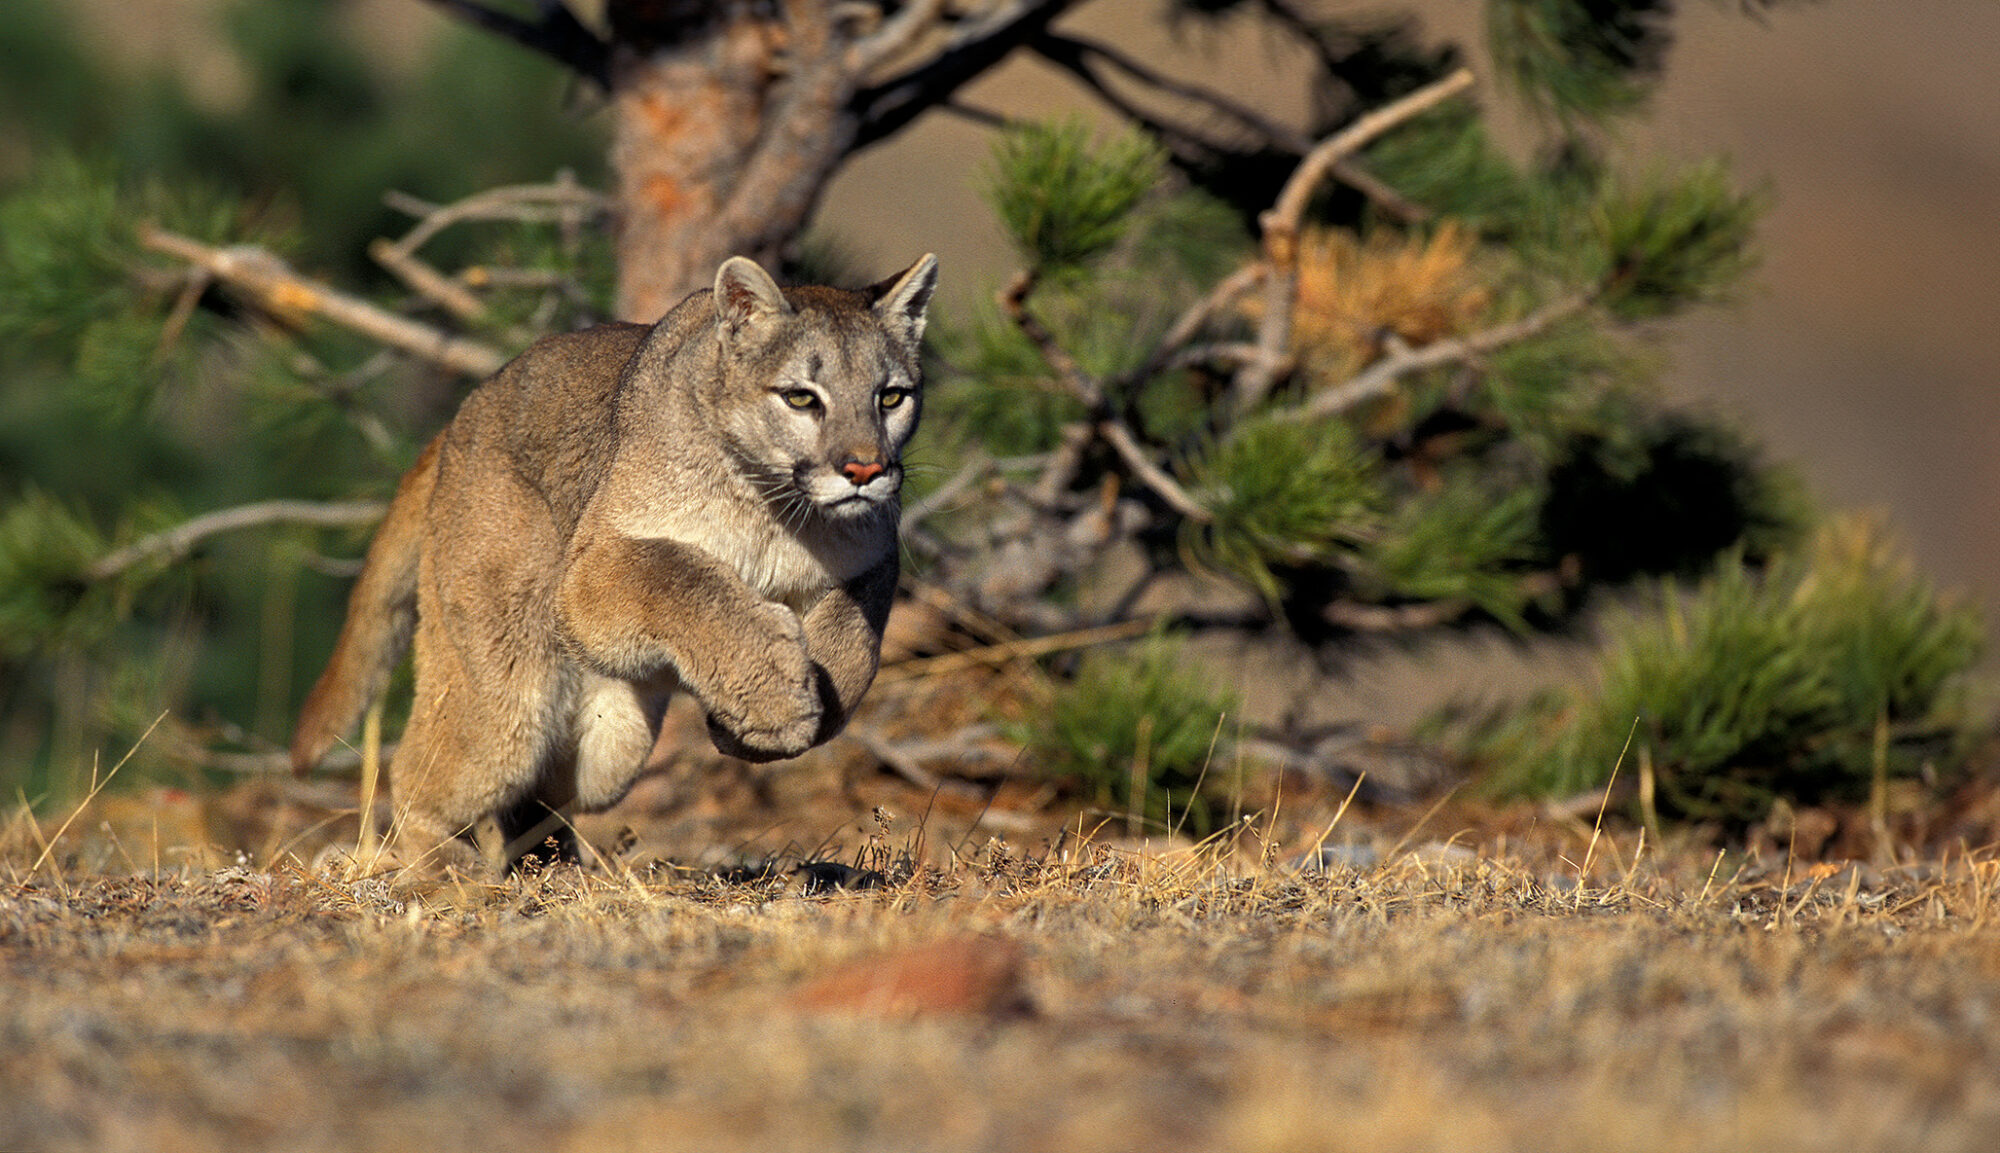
(724, 139)
(732, 115)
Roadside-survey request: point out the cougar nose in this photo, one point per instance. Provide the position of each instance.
(860, 472)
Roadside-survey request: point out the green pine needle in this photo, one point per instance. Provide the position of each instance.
(1668, 242)
(1587, 59)
(1472, 540)
(1283, 492)
(1064, 200)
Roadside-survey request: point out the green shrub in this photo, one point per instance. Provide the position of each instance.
(1803, 682)
(1141, 733)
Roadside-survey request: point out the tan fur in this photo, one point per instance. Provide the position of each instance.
(707, 505)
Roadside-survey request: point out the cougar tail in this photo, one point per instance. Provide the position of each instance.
(381, 616)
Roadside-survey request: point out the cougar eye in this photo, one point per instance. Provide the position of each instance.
(800, 398)
(893, 397)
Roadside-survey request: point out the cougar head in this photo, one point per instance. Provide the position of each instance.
(822, 386)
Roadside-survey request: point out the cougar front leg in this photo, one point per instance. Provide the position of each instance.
(844, 641)
(633, 608)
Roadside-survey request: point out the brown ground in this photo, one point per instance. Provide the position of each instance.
(1492, 981)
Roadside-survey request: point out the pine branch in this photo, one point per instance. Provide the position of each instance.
(1071, 377)
(558, 34)
(1286, 214)
(174, 543)
(559, 201)
(1121, 440)
(1282, 222)
(1168, 353)
(1193, 149)
(275, 286)
(1073, 54)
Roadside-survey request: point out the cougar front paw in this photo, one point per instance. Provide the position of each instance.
(772, 728)
(773, 707)
(763, 745)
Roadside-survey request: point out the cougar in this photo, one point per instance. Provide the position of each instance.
(705, 505)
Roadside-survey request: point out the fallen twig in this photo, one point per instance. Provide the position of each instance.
(992, 656)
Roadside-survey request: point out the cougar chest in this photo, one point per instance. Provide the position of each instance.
(791, 564)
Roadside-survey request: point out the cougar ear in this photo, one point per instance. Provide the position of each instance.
(902, 299)
(745, 296)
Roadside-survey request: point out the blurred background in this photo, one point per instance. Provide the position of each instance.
(1868, 351)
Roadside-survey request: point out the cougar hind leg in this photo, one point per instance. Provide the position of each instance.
(470, 756)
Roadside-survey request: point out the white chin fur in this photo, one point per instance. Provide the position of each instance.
(835, 497)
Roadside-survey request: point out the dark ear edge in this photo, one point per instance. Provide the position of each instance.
(746, 295)
(903, 300)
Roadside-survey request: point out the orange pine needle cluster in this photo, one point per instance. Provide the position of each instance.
(1353, 291)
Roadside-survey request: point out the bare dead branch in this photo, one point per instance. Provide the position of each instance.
(1235, 353)
(175, 543)
(984, 117)
(1074, 54)
(883, 109)
(976, 469)
(560, 201)
(1381, 376)
(1060, 470)
(428, 282)
(1129, 450)
(273, 285)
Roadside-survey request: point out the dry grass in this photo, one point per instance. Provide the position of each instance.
(1491, 994)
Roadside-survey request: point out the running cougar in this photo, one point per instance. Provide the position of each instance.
(707, 504)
